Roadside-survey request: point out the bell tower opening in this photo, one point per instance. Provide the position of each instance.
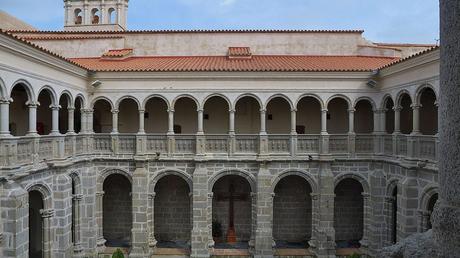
(95, 15)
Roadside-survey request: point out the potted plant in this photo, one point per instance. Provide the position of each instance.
(216, 231)
(118, 254)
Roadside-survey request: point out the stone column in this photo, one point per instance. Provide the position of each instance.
(100, 241)
(86, 14)
(200, 122)
(84, 122)
(71, 114)
(446, 216)
(325, 233)
(77, 247)
(231, 124)
(293, 132)
(202, 214)
(415, 118)
(351, 132)
(5, 117)
(324, 148)
(151, 220)
(423, 218)
(47, 216)
(407, 204)
(55, 120)
(141, 121)
(313, 242)
(366, 222)
(90, 120)
(263, 137)
(115, 121)
(376, 204)
(397, 110)
(32, 119)
(171, 121)
(139, 233)
(264, 236)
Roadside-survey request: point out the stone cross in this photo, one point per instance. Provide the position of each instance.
(231, 197)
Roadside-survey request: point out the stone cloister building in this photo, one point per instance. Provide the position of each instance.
(319, 143)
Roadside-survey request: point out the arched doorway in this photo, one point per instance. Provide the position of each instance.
(247, 116)
(231, 212)
(308, 116)
(337, 116)
(185, 116)
(394, 216)
(172, 217)
(117, 211)
(36, 232)
(44, 112)
(77, 114)
(406, 114)
(430, 209)
(19, 111)
(65, 103)
(102, 117)
(348, 213)
(364, 117)
(156, 116)
(292, 213)
(128, 116)
(428, 112)
(389, 116)
(278, 116)
(215, 116)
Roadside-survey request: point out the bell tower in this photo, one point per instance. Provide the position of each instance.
(95, 15)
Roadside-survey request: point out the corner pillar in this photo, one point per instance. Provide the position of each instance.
(202, 214)
(264, 215)
(139, 233)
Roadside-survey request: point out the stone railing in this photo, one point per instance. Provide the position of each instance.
(21, 151)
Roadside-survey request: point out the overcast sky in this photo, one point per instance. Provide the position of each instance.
(412, 21)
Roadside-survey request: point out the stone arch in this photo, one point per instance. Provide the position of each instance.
(93, 102)
(110, 171)
(44, 190)
(111, 15)
(309, 95)
(385, 99)
(361, 179)
(400, 95)
(303, 174)
(95, 16)
(68, 95)
(78, 18)
(167, 172)
(148, 98)
(427, 193)
(117, 103)
(3, 91)
(391, 184)
(27, 87)
(365, 98)
(233, 172)
(340, 96)
(173, 104)
(279, 95)
(261, 105)
(52, 92)
(421, 88)
(222, 96)
(82, 99)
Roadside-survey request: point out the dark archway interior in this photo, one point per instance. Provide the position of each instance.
(102, 117)
(428, 113)
(35, 224)
(117, 211)
(44, 113)
(247, 116)
(156, 116)
(128, 116)
(394, 216)
(172, 218)
(215, 116)
(308, 116)
(64, 114)
(337, 116)
(389, 116)
(406, 114)
(227, 188)
(364, 117)
(77, 114)
(278, 116)
(348, 213)
(292, 212)
(430, 208)
(19, 111)
(185, 116)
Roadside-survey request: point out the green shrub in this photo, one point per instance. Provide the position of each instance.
(354, 255)
(118, 254)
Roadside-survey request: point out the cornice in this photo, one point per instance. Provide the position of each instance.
(413, 63)
(35, 55)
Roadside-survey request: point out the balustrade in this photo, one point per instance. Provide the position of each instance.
(25, 150)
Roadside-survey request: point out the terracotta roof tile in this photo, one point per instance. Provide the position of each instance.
(125, 52)
(239, 52)
(67, 37)
(258, 63)
(409, 57)
(183, 31)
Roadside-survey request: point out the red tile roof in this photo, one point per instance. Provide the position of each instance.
(409, 57)
(258, 63)
(118, 52)
(239, 52)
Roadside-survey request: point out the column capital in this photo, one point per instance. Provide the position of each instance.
(115, 111)
(55, 107)
(351, 110)
(101, 193)
(200, 110)
(314, 196)
(4, 100)
(232, 111)
(141, 110)
(71, 109)
(210, 195)
(293, 109)
(397, 108)
(170, 110)
(324, 110)
(152, 195)
(48, 213)
(77, 197)
(262, 110)
(33, 104)
(416, 106)
(365, 195)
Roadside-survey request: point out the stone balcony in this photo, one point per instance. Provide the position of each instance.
(411, 150)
